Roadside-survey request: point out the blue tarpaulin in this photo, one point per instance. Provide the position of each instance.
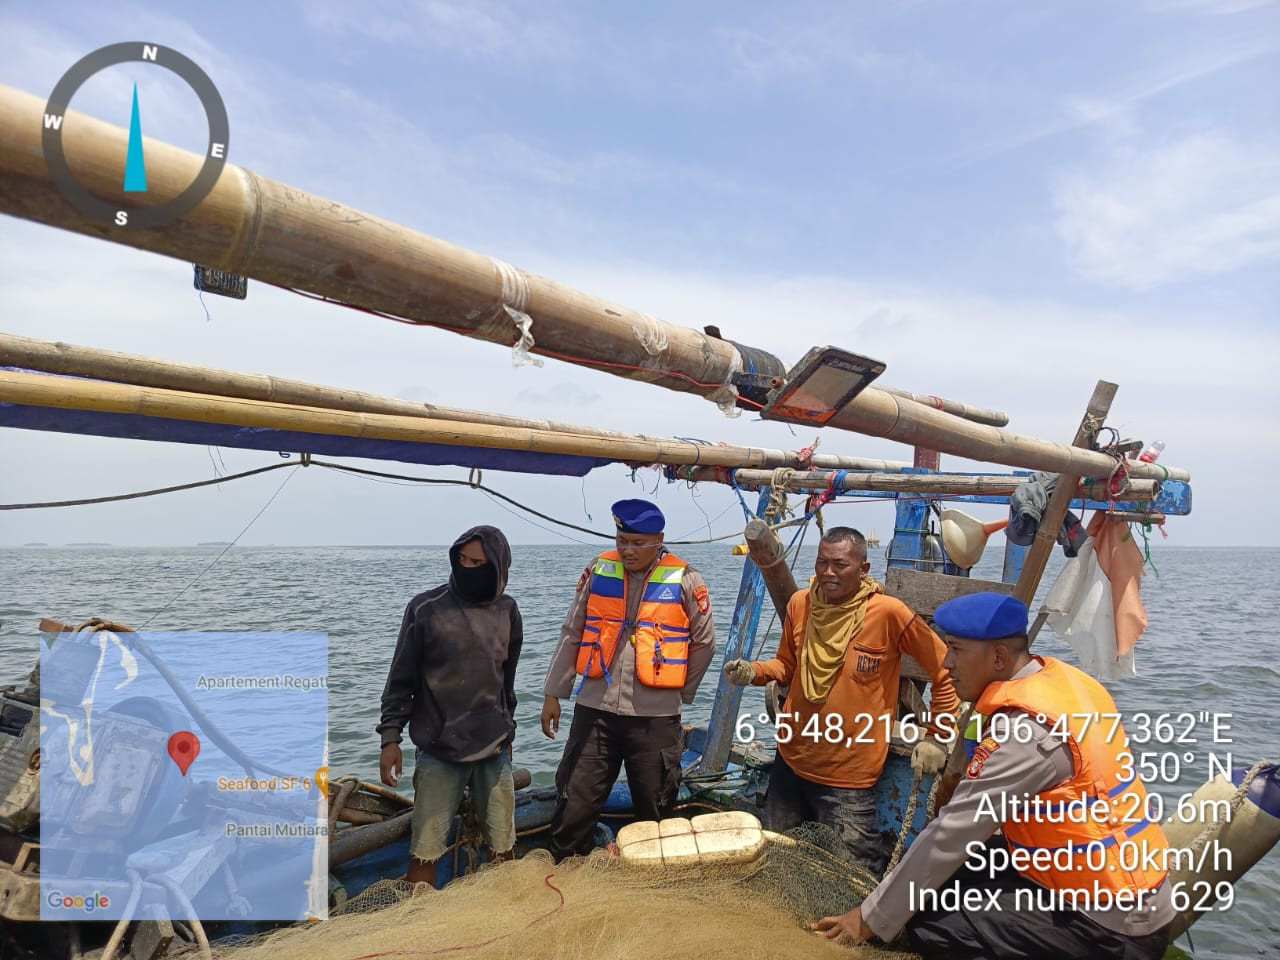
(139, 427)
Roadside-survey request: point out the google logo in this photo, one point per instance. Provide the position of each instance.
(95, 901)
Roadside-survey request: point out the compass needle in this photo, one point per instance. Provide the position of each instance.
(135, 167)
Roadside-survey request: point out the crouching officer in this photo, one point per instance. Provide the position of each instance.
(1080, 873)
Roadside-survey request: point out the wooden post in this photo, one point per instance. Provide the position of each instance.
(721, 730)
(1063, 493)
(926, 459)
(768, 554)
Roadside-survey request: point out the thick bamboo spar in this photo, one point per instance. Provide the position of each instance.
(767, 552)
(263, 229)
(41, 390)
(941, 484)
(266, 230)
(1056, 510)
(880, 414)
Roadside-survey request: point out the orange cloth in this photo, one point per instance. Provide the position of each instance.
(1121, 560)
(865, 692)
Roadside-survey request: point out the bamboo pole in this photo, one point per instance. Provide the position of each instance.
(934, 430)
(78, 361)
(963, 410)
(43, 390)
(1056, 510)
(940, 484)
(766, 550)
(263, 229)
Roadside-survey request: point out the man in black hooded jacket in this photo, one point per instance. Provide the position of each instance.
(452, 679)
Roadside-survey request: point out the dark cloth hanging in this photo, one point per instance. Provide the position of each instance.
(1027, 506)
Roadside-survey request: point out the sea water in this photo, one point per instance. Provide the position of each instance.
(1213, 644)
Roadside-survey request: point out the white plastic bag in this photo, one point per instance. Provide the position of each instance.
(1082, 612)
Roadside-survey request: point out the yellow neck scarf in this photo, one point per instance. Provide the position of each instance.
(827, 634)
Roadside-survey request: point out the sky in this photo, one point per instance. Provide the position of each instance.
(1004, 202)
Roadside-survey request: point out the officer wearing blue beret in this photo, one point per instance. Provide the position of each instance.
(633, 649)
(1078, 872)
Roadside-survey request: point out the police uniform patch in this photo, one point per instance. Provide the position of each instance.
(985, 749)
(704, 599)
(582, 580)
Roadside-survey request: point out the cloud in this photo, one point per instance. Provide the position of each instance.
(1206, 204)
(835, 50)
(481, 28)
(1211, 7)
(1114, 110)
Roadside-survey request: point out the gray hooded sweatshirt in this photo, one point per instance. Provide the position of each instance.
(453, 673)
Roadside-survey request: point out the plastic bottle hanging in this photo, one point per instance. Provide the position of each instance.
(1153, 451)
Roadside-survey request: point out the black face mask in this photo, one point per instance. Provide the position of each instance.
(476, 584)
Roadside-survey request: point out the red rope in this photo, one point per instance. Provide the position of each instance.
(804, 456)
(1118, 479)
(820, 498)
(473, 946)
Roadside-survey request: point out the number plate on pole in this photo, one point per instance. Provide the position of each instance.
(224, 284)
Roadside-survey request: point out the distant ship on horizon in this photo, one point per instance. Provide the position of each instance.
(89, 543)
(36, 543)
(214, 543)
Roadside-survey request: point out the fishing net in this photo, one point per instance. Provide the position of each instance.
(596, 909)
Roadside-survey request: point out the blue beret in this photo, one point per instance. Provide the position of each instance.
(638, 516)
(982, 616)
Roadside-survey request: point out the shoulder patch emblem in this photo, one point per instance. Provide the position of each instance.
(704, 599)
(582, 580)
(985, 749)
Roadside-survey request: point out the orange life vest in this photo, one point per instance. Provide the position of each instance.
(1109, 849)
(661, 627)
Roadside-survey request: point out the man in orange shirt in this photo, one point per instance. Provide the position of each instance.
(841, 651)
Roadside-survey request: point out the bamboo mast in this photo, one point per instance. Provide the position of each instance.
(963, 410)
(260, 228)
(77, 361)
(43, 390)
(941, 484)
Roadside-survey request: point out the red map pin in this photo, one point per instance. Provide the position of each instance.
(184, 747)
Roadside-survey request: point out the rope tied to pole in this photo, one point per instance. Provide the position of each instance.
(820, 498)
(1118, 481)
(804, 456)
(1093, 425)
(780, 486)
